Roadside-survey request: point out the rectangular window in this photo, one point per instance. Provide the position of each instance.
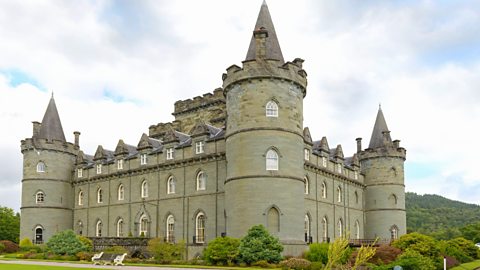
(199, 147)
(324, 162)
(120, 164)
(80, 173)
(143, 159)
(339, 168)
(307, 154)
(99, 168)
(170, 153)
(355, 175)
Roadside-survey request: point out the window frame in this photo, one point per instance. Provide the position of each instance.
(98, 228)
(119, 228)
(171, 185)
(271, 109)
(121, 192)
(272, 160)
(79, 172)
(306, 153)
(144, 189)
(99, 168)
(41, 167)
(39, 197)
(99, 195)
(201, 181)
(143, 226)
(339, 194)
(143, 159)
(170, 153)
(199, 147)
(200, 230)
(120, 164)
(306, 186)
(324, 190)
(170, 229)
(80, 198)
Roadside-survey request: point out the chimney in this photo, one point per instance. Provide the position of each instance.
(260, 43)
(359, 145)
(36, 128)
(396, 143)
(77, 138)
(386, 138)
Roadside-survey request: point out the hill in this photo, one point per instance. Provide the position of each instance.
(434, 214)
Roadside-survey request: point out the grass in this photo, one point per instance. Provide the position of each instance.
(35, 267)
(468, 266)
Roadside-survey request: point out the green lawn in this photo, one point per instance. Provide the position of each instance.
(7, 266)
(468, 266)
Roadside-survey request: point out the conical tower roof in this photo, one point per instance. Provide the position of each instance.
(273, 50)
(376, 140)
(51, 128)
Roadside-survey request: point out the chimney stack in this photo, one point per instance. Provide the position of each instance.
(77, 138)
(359, 145)
(260, 43)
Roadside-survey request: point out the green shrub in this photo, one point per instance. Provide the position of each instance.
(9, 246)
(84, 256)
(423, 244)
(86, 242)
(2, 247)
(115, 250)
(316, 266)
(462, 249)
(263, 264)
(223, 250)
(295, 264)
(164, 252)
(259, 245)
(25, 244)
(317, 252)
(65, 243)
(410, 260)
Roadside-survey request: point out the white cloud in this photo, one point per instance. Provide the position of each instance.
(417, 58)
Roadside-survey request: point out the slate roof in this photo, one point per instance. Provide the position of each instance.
(376, 141)
(51, 128)
(273, 50)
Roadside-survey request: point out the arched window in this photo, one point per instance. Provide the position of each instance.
(394, 232)
(40, 197)
(306, 186)
(38, 235)
(80, 227)
(272, 160)
(144, 189)
(340, 228)
(307, 228)
(143, 226)
(325, 229)
(99, 196)
(170, 229)
(357, 230)
(393, 199)
(271, 109)
(273, 221)
(201, 181)
(120, 227)
(98, 229)
(339, 194)
(324, 190)
(40, 167)
(80, 197)
(121, 192)
(356, 197)
(200, 228)
(171, 185)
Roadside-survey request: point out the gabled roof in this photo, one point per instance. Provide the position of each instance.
(124, 149)
(377, 140)
(51, 128)
(273, 50)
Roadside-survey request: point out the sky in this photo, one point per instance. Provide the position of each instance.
(117, 67)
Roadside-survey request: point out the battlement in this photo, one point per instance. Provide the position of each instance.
(44, 144)
(266, 68)
(390, 151)
(199, 102)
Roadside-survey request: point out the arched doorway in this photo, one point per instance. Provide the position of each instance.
(38, 235)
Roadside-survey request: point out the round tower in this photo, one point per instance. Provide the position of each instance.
(382, 163)
(47, 193)
(264, 140)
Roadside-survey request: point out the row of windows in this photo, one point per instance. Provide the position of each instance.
(324, 191)
(201, 184)
(144, 224)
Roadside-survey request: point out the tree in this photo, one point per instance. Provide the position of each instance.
(424, 245)
(222, 250)
(260, 245)
(471, 232)
(9, 224)
(66, 242)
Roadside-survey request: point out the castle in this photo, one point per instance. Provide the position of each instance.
(231, 159)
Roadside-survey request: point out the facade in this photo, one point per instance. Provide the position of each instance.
(231, 159)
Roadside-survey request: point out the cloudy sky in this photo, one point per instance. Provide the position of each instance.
(117, 67)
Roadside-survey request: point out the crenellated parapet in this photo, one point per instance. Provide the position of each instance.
(266, 69)
(52, 145)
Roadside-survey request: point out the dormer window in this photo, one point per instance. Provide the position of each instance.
(99, 168)
(143, 159)
(120, 164)
(199, 147)
(170, 153)
(271, 109)
(339, 168)
(307, 154)
(40, 167)
(355, 175)
(324, 162)
(80, 173)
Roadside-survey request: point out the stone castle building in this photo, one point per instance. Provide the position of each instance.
(231, 159)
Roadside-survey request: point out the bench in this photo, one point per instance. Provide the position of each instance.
(108, 258)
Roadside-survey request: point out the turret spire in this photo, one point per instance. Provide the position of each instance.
(51, 127)
(380, 131)
(273, 50)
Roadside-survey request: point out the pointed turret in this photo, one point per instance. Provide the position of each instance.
(51, 127)
(272, 50)
(380, 134)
